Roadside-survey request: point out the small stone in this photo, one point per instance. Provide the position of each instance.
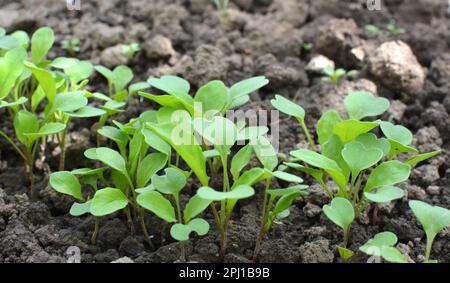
(159, 47)
(434, 190)
(318, 63)
(113, 56)
(395, 65)
(124, 259)
(312, 210)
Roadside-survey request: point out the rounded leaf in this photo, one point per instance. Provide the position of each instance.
(66, 183)
(239, 192)
(362, 104)
(341, 212)
(385, 194)
(159, 205)
(107, 201)
(288, 107)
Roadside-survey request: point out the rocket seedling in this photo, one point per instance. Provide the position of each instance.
(334, 76)
(186, 222)
(382, 245)
(130, 50)
(433, 219)
(362, 166)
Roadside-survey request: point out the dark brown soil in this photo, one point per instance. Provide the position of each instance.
(262, 38)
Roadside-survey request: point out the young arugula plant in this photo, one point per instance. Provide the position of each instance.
(372, 29)
(334, 76)
(118, 94)
(350, 151)
(433, 219)
(130, 50)
(131, 169)
(72, 46)
(382, 245)
(171, 184)
(393, 30)
(222, 7)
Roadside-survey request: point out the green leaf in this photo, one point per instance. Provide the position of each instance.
(122, 77)
(112, 159)
(25, 123)
(114, 134)
(374, 246)
(362, 104)
(164, 100)
(320, 161)
(177, 87)
(41, 42)
(359, 158)
(8, 42)
(86, 112)
(287, 177)
(79, 71)
(385, 194)
(194, 207)
(107, 201)
(155, 142)
(190, 151)
(170, 183)
(422, 157)
(137, 87)
(149, 166)
(212, 97)
(285, 202)
(288, 191)
(240, 192)
(20, 101)
(326, 125)
(344, 253)
(66, 183)
(251, 177)
(397, 148)
(341, 212)
(349, 130)
(47, 130)
(240, 160)
(393, 255)
(388, 173)
(46, 81)
(11, 67)
(219, 131)
(288, 107)
(370, 140)
(199, 226)
(70, 101)
(180, 232)
(382, 245)
(64, 62)
(332, 149)
(159, 205)
(79, 209)
(246, 87)
(397, 133)
(252, 133)
(433, 218)
(265, 153)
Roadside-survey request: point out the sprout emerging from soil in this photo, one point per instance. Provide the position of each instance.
(334, 76)
(72, 46)
(130, 50)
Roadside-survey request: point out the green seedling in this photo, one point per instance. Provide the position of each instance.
(131, 169)
(118, 93)
(362, 166)
(382, 245)
(372, 29)
(130, 50)
(171, 185)
(308, 46)
(433, 219)
(72, 46)
(393, 30)
(341, 213)
(334, 76)
(222, 7)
